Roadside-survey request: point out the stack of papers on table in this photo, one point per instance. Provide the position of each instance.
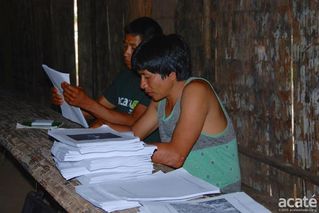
(96, 155)
(176, 185)
(64, 152)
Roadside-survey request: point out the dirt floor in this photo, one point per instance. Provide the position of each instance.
(14, 184)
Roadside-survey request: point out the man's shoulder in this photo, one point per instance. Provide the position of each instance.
(197, 90)
(197, 84)
(128, 76)
(125, 77)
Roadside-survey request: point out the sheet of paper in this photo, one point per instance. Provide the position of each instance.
(112, 176)
(237, 202)
(176, 185)
(70, 112)
(105, 200)
(93, 138)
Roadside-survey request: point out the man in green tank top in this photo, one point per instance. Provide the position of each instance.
(195, 129)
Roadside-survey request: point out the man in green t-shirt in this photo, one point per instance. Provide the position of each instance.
(123, 102)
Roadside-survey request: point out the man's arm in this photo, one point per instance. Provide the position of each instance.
(147, 123)
(101, 109)
(194, 109)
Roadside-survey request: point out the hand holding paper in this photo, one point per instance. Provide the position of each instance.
(69, 112)
(75, 96)
(57, 99)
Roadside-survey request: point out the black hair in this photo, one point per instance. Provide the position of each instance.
(163, 55)
(145, 27)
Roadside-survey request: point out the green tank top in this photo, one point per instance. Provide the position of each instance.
(214, 157)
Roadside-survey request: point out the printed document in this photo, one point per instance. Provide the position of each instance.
(237, 202)
(92, 138)
(177, 185)
(70, 112)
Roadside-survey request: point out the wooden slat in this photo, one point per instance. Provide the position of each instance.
(269, 87)
(286, 167)
(36, 32)
(306, 81)
(101, 33)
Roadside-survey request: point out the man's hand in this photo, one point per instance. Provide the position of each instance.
(97, 123)
(75, 96)
(56, 98)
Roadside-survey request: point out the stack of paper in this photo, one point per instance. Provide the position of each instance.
(114, 167)
(110, 176)
(96, 155)
(177, 185)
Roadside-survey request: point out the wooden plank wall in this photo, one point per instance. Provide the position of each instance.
(305, 51)
(266, 65)
(251, 51)
(253, 66)
(35, 32)
(101, 25)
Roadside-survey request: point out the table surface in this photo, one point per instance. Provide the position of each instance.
(31, 148)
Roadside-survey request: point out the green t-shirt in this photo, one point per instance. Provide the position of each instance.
(125, 93)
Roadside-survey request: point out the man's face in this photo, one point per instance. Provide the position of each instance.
(131, 41)
(154, 85)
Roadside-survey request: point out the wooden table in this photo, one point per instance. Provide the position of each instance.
(31, 148)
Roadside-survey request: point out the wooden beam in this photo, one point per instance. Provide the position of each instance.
(286, 167)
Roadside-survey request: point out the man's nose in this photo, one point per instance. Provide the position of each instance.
(128, 51)
(143, 84)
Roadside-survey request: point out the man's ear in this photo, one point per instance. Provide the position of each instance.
(172, 76)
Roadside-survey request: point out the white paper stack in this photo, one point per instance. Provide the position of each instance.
(113, 167)
(110, 176)
(177, 185)
(96, 155)
(64, 152)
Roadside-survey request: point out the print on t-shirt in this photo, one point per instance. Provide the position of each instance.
(131, 104)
